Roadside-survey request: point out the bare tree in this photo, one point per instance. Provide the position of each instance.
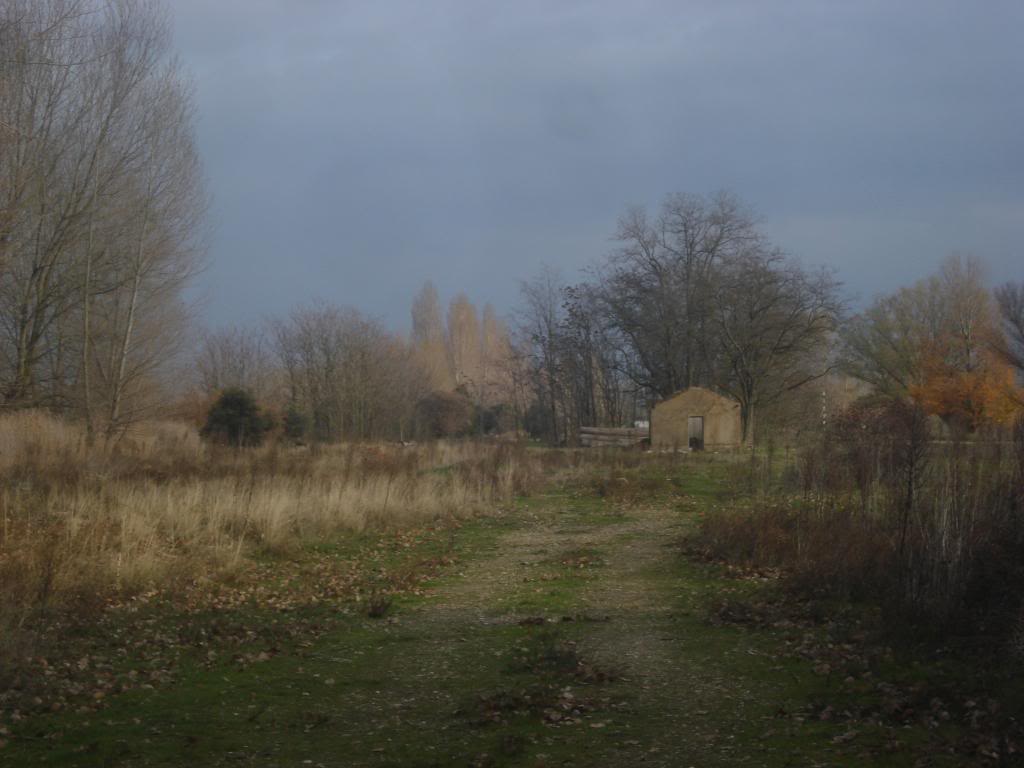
(695, 296)
(773, 322)
(100, 201)
(1010, 344)
(948, 316)
(41, 176)
(234, 358)
(540, 327)
(654, 287)
(161, 248)
(592, 365)
(351, 377)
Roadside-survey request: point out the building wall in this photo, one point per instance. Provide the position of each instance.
(722, 426)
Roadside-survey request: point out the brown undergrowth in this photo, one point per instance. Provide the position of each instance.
(85, 526)
(880, 511)
(886, 552)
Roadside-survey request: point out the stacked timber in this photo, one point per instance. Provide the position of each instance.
(600, 437)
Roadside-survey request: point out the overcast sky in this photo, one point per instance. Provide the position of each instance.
(356, 149)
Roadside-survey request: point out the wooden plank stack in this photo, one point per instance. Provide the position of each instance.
(601, 437)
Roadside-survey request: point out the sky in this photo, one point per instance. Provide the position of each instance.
(354, 150)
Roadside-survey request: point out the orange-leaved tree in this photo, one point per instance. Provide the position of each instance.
(941, 342)
(986, 393)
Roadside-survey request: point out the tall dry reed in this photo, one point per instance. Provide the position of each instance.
(80, 523)
(887, 509)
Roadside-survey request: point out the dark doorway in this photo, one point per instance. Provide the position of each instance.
(696, 433)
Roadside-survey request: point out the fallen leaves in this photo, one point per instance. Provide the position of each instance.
(140, 641)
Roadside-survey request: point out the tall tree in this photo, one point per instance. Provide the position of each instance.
(100, 201)
(936, 342)
(772, 324)
(160, 248)
(540, 320)
(428, 338)
(496, 350)
(655, 286)
(464, 342)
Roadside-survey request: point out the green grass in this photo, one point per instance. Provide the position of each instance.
(507, 653)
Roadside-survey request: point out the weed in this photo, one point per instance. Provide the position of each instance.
(82, 525)
(377, 605)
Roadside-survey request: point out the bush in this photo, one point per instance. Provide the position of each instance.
(931, 531)
(495, 419)
(296, 424)
(445, 414)
(235, 419)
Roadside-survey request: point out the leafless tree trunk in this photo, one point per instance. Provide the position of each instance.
(541, 320)
(93, 114)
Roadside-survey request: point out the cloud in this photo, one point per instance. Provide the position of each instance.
(358, 148)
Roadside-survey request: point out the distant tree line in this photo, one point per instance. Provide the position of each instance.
(333, 374)
(694, 296)
(101, 221)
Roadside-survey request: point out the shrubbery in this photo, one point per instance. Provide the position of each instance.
(235, 419)
(445, 414)
(295, 424)
(883, 509)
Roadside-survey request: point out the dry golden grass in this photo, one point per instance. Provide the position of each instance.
(81, 524)
(31, 436)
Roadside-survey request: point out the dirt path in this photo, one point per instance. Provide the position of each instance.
(616, 575)
(570, 632)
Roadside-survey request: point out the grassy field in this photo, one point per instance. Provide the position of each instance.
(562, 627)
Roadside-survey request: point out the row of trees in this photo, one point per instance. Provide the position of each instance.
(472, 352)
(334, 373)
(693, 296)
(101, 207)
(329, 373)
(697, 296)
(101, 204)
